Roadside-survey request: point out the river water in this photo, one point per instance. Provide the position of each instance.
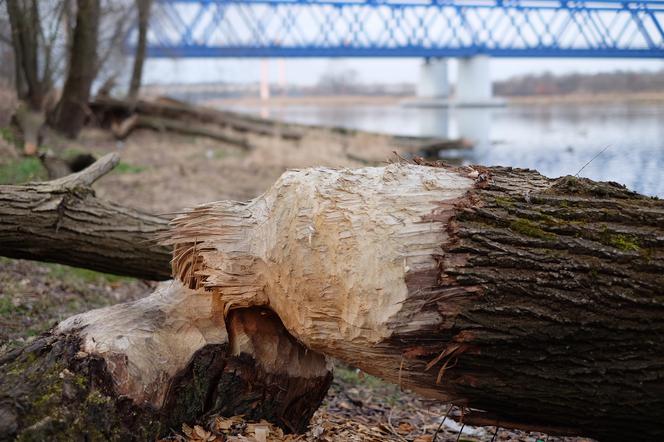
(554, 139)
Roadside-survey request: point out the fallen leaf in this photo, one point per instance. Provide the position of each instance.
(405, 428)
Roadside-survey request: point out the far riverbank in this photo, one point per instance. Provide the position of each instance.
(390, 100)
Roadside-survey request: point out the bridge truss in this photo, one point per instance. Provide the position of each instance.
(407, 28)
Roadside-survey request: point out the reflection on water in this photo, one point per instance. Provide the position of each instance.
(556, 140)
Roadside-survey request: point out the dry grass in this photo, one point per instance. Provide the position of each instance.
(165, 172)
(34, 296)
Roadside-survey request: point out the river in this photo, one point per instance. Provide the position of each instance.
(625, 140)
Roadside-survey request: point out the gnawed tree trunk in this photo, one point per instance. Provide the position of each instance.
(529, 302)
(72, 110)
(62, 221)
(135, 371)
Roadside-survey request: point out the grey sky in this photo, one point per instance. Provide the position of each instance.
(387, 70)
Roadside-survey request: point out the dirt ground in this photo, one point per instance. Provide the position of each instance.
(162, 173)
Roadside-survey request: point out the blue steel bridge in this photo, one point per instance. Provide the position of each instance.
(429, 29)
(407, 28)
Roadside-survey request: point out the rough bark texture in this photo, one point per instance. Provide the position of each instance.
(135, 371)
(72, 110)
(564, 283)
(143, 9)
(24, 20)
(62, 221)
(529, 302)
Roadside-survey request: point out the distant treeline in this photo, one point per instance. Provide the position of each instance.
(550, 84)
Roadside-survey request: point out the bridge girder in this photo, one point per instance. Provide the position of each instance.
(407, 28)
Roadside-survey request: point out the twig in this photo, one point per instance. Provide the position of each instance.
(592, 159)
(460, 431)
(90, 174)
(435, 435)
(392, 429)
(495, 434)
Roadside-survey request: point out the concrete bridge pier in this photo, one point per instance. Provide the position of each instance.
(433, 88)
(474, 88)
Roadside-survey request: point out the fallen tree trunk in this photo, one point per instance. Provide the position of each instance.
(160, 124)
(136, 371)
(529, 302)
(109, 110)
(62, 221)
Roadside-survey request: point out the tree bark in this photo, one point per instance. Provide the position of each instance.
(143, 8)
(62, 221)
(135, 371)
(529, 302)
(25, 22)
(70, 114)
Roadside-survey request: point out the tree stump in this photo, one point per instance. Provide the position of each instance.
(135, 371)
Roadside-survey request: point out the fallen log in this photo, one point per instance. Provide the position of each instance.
(123, 129)
(62, 221)
(109, 109)
(529, 302)
(136, 371)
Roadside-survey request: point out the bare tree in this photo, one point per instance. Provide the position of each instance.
(143, 7)
(69, 115)
(6, 53)
(23, 20)
(113, 29)
(39, 46)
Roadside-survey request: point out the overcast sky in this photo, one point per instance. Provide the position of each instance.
(370, 70)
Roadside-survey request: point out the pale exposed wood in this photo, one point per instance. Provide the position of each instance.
(170, 326)
(167, 327)
(329, 251)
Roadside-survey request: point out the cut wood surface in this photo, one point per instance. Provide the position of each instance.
(531, 302)
(135, 371)
(62, 221)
